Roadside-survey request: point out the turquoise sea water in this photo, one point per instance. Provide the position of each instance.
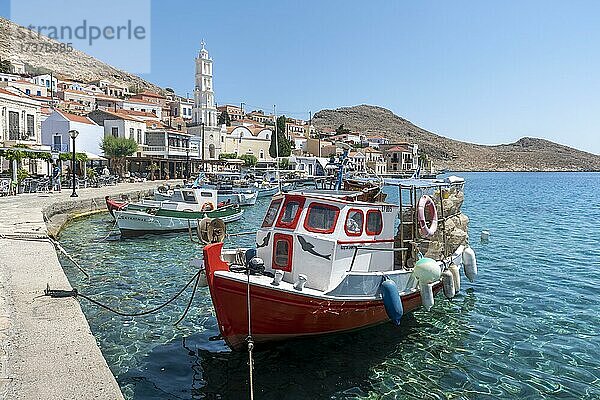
(528, 328)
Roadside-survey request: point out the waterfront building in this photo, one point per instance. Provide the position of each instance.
(357, 160)
(104, 102)
(181, 107)
(143, 106)
(86, 100)
(247, 139)
(374, 160)
(204, 114)
(299, 141)
(235, 113)
(20, 124)
(350, 138)
(47, 80)
(309, 166)
(120, 124)
(322, 148)
(56, 127)
(27, 87)
(4, 77)
(172, 149)
(260, 117)
(19, 119)
(72, 107)
(401, 157)
(111, 89)
(375, 141)
(150, 97)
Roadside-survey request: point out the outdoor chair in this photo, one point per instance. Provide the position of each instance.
(5, 186)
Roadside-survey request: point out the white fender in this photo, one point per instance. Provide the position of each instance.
(427, 270)
(470, 264)
(448, 284)
(454, 270)
(426, 290)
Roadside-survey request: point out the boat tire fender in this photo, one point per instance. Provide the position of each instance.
(391, 300)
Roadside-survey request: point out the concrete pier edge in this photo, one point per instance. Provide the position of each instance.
(47, 349)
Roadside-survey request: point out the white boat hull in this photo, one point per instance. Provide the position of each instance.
(133, 223)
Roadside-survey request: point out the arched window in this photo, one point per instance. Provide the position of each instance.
(211, 151)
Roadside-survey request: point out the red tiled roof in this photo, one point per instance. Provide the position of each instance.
(132, 100)
(11, 93)
(136, 113)
(146, 93)
(400, 148)
(121, 115)
(76, 118)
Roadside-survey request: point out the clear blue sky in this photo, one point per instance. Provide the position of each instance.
(471, 70)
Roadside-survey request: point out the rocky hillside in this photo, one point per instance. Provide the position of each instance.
(527, 154)
(75, 65)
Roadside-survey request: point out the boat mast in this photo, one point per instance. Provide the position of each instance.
(277, 176)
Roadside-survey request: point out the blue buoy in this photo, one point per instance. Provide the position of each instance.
(391, 300)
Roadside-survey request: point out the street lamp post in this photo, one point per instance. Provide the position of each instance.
(73, 133)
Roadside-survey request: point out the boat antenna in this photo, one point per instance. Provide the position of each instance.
(277, 176)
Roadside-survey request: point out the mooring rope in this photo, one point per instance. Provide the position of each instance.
(57, 293)
(43, 238)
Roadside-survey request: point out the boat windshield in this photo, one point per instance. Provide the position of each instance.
(188, 196)
(321, 218)
(271, 213)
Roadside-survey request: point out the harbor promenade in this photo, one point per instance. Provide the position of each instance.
(47, 350)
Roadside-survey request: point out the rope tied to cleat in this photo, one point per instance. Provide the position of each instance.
(59, 293)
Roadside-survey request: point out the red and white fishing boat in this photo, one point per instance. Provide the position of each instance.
(325, 262)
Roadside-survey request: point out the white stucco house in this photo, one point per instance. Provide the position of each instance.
(55, 132)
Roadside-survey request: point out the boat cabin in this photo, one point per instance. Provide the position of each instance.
(324, 235)
(189, 199)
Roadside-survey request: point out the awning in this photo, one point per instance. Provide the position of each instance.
(93, 157)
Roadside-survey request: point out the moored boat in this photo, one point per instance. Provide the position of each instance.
(327, 262)
(185, 208)
(163, 220)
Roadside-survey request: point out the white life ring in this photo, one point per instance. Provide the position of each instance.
(427, 230)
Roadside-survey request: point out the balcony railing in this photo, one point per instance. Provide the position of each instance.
(60, 147)
(170, 150)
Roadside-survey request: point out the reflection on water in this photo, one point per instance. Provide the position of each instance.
(528, 328)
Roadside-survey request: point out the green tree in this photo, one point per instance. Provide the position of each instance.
(5, 67)
(117, 149)
(285, 147)
(224, 118)
(227, 156)
(284, 163)
(341, 130)
(250, 160)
